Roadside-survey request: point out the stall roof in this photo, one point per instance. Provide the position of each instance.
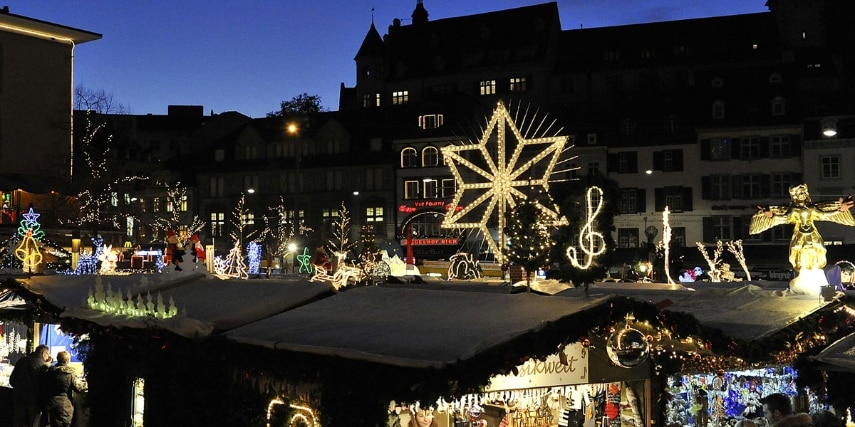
(409, 327)
(206, 304)
(747, 311)
(426, 326)
(839, 356)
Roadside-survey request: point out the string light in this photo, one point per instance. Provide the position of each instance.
(591, 242)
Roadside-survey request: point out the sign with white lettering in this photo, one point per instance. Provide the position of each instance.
(556, 370)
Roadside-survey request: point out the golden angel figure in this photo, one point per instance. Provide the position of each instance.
(807, 251)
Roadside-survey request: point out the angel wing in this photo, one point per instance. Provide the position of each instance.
(760, 222)
(830, 211)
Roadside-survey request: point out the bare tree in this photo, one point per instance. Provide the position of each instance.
(98, 101)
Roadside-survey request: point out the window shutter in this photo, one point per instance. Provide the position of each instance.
(633, 161)
(708, 230)
(687, 199)
(706, 188)
(613, 162)
(765, 185)
(641, 200)
(658, 160)
(736, 186)
(795, 145)
(659, 199)
(738, 231)
(706, 151)
(734, 148)
(764, 147)
(678, 160)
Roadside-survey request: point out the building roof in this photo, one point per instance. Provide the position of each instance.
(43, 29)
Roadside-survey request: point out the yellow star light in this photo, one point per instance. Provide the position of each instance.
(490, 183)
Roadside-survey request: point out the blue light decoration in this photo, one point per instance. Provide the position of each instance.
(253, 251)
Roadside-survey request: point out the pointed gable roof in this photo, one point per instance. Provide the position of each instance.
(372, 44)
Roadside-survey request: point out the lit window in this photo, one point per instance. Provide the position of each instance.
(218, 221)
(430, 156)
(488, 87)
(400, 97)
(183, 203)
(374, 214)
(409, 157)
(155, 204)
(518, 84)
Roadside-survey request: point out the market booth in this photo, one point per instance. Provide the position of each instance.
(276, 351)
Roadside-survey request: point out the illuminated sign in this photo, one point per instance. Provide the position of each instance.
(553, 371)
(432, 241)
(427, 204)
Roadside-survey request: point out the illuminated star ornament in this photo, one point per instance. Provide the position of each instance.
(489, 182)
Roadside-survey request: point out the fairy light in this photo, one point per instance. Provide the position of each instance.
(666, 241)
(340, 244)
(253, 255)
(714, 273)
(736, 249)
(503, 177)
(591, 242)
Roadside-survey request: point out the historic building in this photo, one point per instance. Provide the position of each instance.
(710, 117)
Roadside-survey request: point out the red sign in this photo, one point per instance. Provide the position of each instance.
(433, 241)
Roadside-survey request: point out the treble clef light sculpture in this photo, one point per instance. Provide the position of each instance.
(591, 242)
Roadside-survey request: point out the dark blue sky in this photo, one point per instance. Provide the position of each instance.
(249, 55)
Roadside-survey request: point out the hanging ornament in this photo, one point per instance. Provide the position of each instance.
(627, 347)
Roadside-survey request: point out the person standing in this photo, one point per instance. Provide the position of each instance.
(60, 382)
(26, 380)
(776, 408)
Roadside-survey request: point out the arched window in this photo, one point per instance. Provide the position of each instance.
(409, 157)
(430, 156)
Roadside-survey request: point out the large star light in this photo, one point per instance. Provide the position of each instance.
(489, 183)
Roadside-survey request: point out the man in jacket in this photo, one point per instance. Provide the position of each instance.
(26, 379)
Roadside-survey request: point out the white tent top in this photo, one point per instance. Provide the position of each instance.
(426, 326)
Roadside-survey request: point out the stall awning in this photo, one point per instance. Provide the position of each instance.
(414, 328)
(742, 311)
(205, 304)
(839, 356)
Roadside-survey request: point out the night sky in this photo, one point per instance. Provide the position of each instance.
(248, 56)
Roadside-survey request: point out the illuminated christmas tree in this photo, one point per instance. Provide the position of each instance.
(529, 242)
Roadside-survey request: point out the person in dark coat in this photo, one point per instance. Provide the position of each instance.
(26, 379)
(60, 382)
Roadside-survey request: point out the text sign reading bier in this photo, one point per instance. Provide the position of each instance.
(554, 371)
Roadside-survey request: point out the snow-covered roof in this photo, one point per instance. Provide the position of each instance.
(409, 327)
(428, 325)
(839, 356)
(746, 311)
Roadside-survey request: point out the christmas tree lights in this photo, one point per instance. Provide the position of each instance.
(490, 188)
(529, 242)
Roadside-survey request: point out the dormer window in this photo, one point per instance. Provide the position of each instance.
(775, 78)
(717, 82)
(431, 121)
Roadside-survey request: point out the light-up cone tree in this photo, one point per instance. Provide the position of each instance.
(512, 156)
(529, 241)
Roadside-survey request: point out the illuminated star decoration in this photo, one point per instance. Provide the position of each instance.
(489, 183)
(31, 217)
(305, 265)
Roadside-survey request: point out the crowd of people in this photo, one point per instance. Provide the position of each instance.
(778, 412)
(44, 393)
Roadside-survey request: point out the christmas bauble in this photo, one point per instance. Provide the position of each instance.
(627, 348)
